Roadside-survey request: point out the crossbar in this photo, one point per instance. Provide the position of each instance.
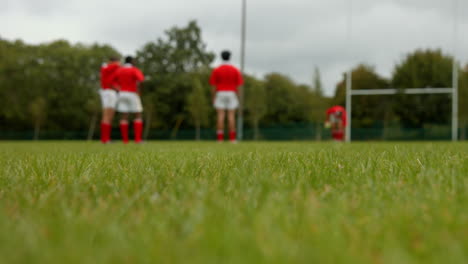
(403, 91)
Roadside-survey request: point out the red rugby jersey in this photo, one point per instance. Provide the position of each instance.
(107, 71)
(226, 78)
(128, 77)
(335, 109)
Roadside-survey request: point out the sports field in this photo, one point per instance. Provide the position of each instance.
(183, 202)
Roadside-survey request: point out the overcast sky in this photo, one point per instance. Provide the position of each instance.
(286, 36)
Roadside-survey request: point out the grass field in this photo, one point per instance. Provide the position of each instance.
(188, 202)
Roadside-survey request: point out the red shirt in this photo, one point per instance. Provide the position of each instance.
(336, 109)
(226, 78)
(128, 77)
(107, 70)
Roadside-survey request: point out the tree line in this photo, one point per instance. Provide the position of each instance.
(54, 86)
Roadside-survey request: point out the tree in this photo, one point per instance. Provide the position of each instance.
(422, 69)
(197, 106)
(255, 102)
(37, 109)
(150, 119)
(65, 76)
(317, 83)
(367, 111)
(170, 63)
(93, 107)
(13, 84)
(319, 104)
(286, 102)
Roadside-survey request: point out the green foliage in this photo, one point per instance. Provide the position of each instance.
(317, 82)
(65, 76)
(38, 111)
(255, 102)
(198, 106)
(286, 102)
(171, 63)
(421, 69)
(319, 103)
(366, 109)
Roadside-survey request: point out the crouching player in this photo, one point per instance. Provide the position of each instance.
(108, 97)
(336, 120)
(127, 79)
(225, 81)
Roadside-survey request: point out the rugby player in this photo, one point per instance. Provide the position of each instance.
(127, 79)
(108, 97)
(336, 119)
(225, 80)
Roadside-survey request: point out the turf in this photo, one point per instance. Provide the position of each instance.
(185, 202)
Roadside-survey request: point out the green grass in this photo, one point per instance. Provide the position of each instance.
(188, 202)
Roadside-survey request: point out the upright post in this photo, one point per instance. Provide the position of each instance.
(348, 105)
(240, 117)
(455, 74)
(349, 73)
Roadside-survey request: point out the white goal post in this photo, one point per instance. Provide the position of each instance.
(452, 90)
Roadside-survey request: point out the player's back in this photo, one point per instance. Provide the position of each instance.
(228, 74)
(127, 78)
(226, 78)
(107, 71)
(335, 109)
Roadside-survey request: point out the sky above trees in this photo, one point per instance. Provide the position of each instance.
(287, 36)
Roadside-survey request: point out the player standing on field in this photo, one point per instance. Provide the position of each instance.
(225, 80)
(336, 119)
(108, 97)
(128, 79)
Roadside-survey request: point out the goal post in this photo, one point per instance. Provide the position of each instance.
(452, 90)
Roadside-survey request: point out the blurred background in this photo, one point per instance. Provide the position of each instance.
(296, 56)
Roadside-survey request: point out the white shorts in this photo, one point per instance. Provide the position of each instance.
(108, 98)
(129, 103)
(226, 101)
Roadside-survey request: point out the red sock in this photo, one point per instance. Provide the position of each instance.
(124, 131)
(105, 132)
(335, 135)
(220, 135)
(138, 130)
(232, 135)
(340, 136)
(108, 132)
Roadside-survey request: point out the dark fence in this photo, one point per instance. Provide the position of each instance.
(304, 131)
